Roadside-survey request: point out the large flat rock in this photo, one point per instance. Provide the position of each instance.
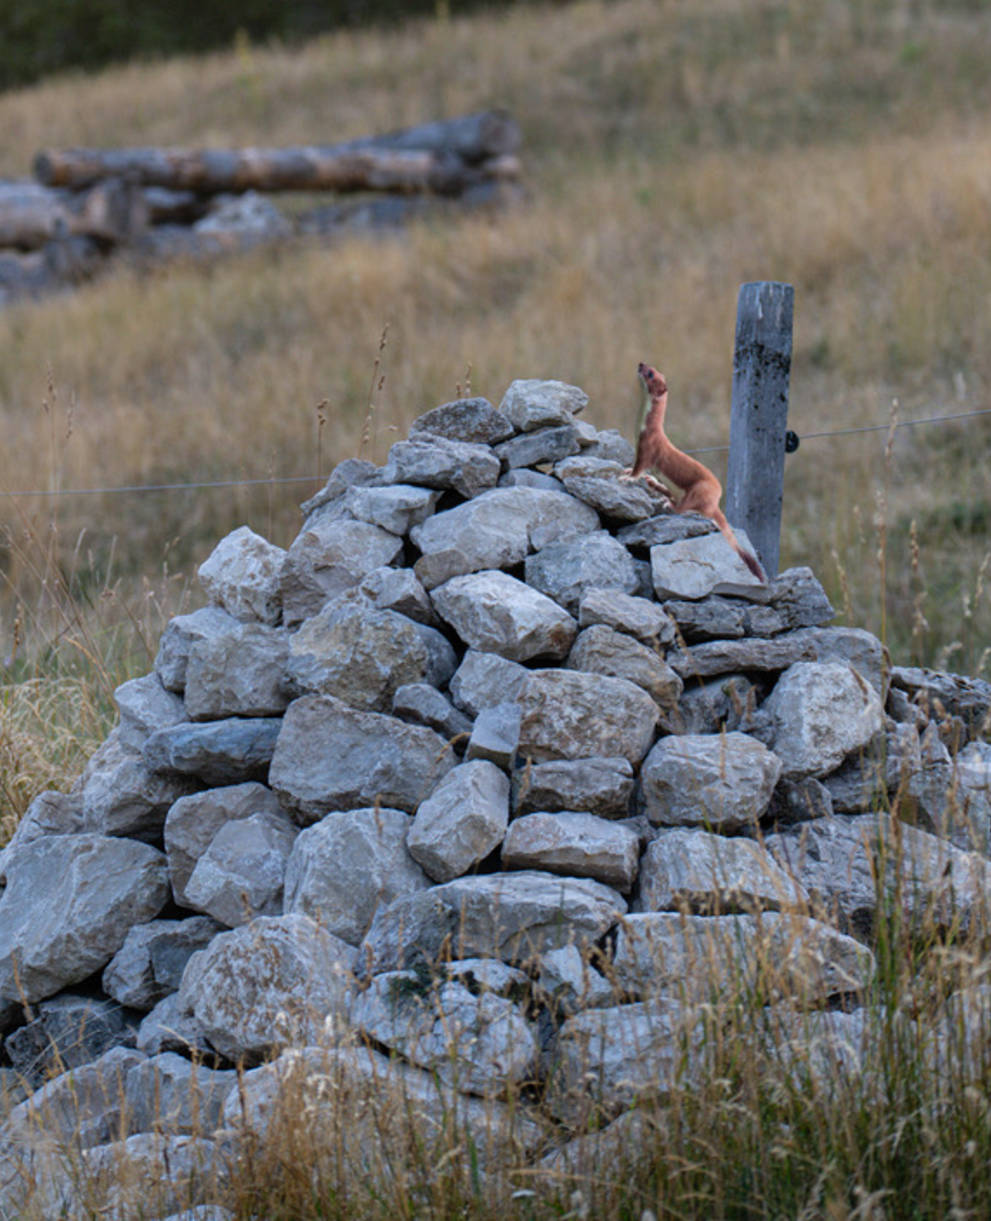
(571, 714)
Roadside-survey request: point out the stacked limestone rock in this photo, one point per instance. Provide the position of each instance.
(481, 768)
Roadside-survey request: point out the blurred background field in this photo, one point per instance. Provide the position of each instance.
(672, 150)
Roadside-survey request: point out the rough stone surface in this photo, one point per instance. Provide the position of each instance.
(495, 613)
(484, 680)
(362, 655)
(462, 821)
(241, 873)
(397, 589)
(239, 672)
(696, 957)
(67, 907)
(177, 639)
(425, 705)
(66, 1031)
(50, 813)
(149, 965)
(330, 557)
(193, 821)
(567, 983)
(570, 714)
(479, 1044)
(470, 419)
(242, 574)
(169, 1094)
(145, 705)
(564, 571)
(600, 785)
(543, 446)
(332, 757)
(723, 781)
(231, 751)
(276, 980)
(602, 484)
(576, 844)
(600, 650)
(395, 507)
(344, 867)
(625, 613)
(169, 1028)
(696, 871)
(511, 916)
(121, 794)
(438, 462)
(352, 472)
(697, 567)
(665, 528)
(532, 403)
(822, 712)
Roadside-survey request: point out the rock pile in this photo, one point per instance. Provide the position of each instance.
(500, 767)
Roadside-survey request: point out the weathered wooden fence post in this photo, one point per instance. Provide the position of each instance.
(759, 415)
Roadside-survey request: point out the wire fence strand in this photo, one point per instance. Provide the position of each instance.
(287, 479)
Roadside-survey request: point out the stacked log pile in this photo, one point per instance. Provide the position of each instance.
(86, 205)
(501, 768)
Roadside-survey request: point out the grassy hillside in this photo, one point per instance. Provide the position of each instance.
(673, 150)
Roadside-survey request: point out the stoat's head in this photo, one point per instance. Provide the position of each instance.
(653, 382)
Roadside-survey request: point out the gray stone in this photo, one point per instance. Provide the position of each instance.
(396, 507)
(624, 613)
(489, 975)
(242, 574)
(603, 485)
(397, 589)
(783, 954)
(241, 873)
(722, 703)
(891, 759)
(495, 736)
(469, 419)
(497, 530)
(710, 618)
(78, 1108)
(330, 557)
(425, 705)
(486, 679)
(800, 600)
(599, 785)
(969, 824)
(610, 445)
(723, 781)
(523, 477)
(493, 612)
(277, 980)
(352, 472)
(145, 705)
(167, 1093)
(149, 965)
(574, 843)
(511, 916)
(438, 462)
(362, 655)
(193, 821)
(541, 446)
(332, 757)
(169, 1028)
(344, 867)
(66, 1032)
(713, 657)
(67, 907)
(50, 813)
(391, 1108)
(462, 821)
(177, 639)
(231, 751)
(238, 672)
(850, 865)
(697, 567)
(665, 528)
(567, 983)
(122, 794)
(822, 712)
(600, 650)
(564, 571)
(478, 1044)
(153, 1174)
(796, 801)
(570, 714)
(613, 1058)
(532, 403)
(696, 871)
(942, 695)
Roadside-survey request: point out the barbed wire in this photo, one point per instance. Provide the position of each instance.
(287, 479)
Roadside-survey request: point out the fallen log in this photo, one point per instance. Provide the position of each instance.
(31, 215)
(442, 158)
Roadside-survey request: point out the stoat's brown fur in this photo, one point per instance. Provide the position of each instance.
(701, 490)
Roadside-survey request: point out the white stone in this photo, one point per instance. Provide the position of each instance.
(462, 821)
(495, 613)
(242, 575)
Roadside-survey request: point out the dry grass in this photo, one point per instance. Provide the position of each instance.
(673, 151)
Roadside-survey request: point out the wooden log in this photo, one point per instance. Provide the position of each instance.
(759, 415)
(32, 215)
(395, 162)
